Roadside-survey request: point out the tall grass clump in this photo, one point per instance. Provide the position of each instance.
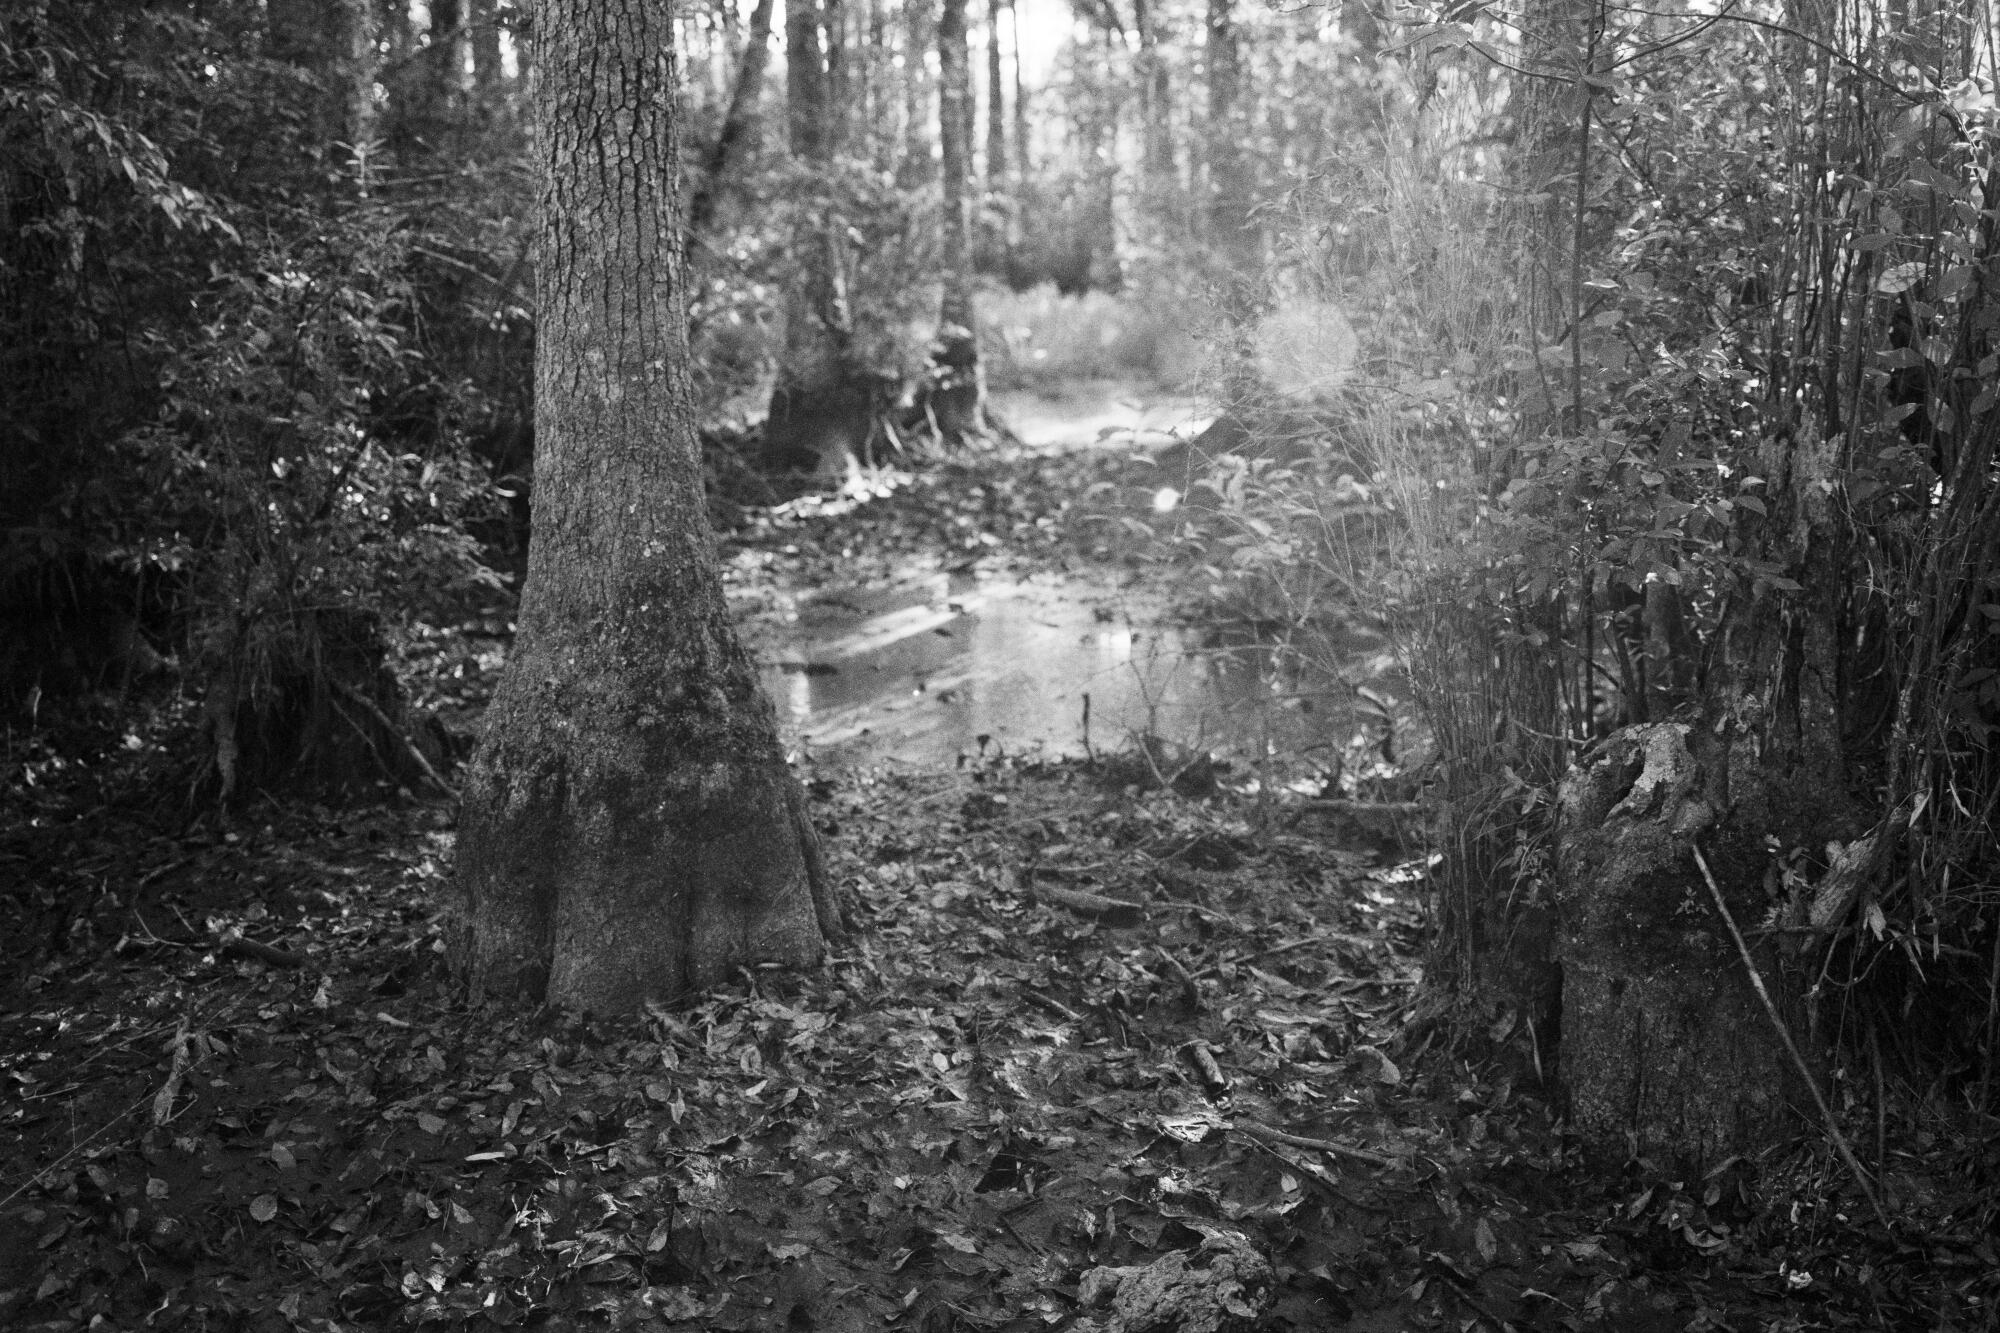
(1482, 643)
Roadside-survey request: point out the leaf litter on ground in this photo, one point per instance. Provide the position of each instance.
(998, 1106)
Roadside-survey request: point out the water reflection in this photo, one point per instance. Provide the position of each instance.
(947, 665)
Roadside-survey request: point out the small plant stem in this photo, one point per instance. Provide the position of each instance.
(1992, 1024)
(1791, 1048)
(1577, 227)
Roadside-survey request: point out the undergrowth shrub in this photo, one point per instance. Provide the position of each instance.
(1043, 337)
(1748, 474)
(224, 415)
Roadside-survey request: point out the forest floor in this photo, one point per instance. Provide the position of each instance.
(1099, 1048)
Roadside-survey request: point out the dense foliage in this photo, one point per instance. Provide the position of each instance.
(1686, 418)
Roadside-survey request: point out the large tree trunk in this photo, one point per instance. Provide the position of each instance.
(630, 830)
(956, 392)
(737, 139)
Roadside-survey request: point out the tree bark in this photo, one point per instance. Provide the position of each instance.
(737, 139)
(629, 830)
(957, 391)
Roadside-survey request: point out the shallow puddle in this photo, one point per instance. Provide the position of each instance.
(938, 666)
(947, 665)
(1098, 414)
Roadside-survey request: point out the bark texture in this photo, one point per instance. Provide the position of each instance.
(629, 830)
(1664, 1043)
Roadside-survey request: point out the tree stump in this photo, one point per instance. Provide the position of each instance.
(1665, 1049)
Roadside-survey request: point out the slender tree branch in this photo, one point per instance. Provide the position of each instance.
(1791, 1048)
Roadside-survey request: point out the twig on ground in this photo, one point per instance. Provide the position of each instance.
(1190, 991)
(263, 953)
(163, 1102)
(1053, 1004)
(1112, 911)
(1791, 1048)
(409, 746)
(1308, 1172)
(1269, 1135)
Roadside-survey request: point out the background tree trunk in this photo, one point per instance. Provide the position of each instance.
(488, 75)
(1155, 103)
(1022, 160)
(996, 106)
(629, 828)
(333, 46)
(1550, 166)
(917, 167)
(737, 140)
(956, 395)
(363, 63)
(1232, 229)
(824, 404)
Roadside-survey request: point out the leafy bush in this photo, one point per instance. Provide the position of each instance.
(219, 386)
(1744, 471)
